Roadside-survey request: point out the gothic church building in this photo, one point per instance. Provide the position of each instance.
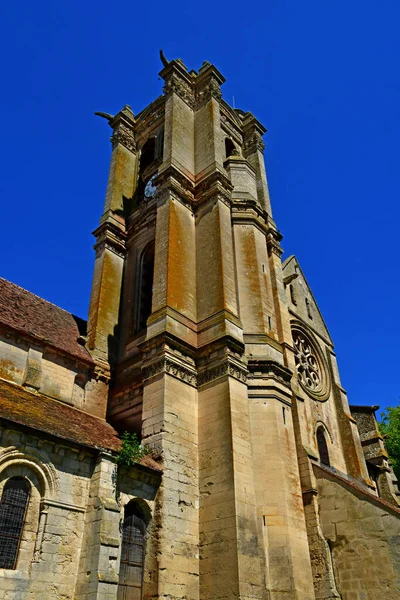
(261, 483)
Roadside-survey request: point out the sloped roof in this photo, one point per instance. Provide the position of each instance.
(19, 405)
(31, 409)
(291, 268)
(33, 316)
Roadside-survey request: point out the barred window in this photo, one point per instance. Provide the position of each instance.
(132, 554)
(13, 506)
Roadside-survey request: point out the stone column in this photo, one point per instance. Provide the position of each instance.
(169, 428)
(99, 561)
(230, 565)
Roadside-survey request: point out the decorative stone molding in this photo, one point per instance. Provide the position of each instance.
(312, 370)
(223, 369)
(229, 126)
(273, 243)
(206, 92)
(125, 136)
(38, 462)
(110, 237)
(253, 143)
(215, 186)
(253, 132)
(171, 367)
(260, 368)
(123, 129)
(172, 182)
(175, 83)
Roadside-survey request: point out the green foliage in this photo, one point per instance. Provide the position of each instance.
(390, 429)
(131, 451)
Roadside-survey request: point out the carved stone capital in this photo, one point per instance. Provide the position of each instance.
(125, 136)
(273, 243)
(179, 81)
(253, 143)
(171, 366)
(253, 132)
(227, 367)
(123, 129)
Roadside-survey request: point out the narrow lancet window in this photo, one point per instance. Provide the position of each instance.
(13, 506)
(132, 554)
(322, 447)
(145, 287)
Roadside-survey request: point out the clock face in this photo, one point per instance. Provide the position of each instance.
(150, 189)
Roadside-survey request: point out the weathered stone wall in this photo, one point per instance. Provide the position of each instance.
(52, 373)
(59, 476)
(364, 537)
(70, 546)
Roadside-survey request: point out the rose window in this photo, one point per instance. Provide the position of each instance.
(310, 366)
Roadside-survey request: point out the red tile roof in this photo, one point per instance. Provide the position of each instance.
(31, 409)
(19, 405)
(30, 315)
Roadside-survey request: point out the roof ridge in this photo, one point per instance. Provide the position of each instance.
(40, 298)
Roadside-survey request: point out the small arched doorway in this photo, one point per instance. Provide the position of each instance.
(322, 447)
(132, 553)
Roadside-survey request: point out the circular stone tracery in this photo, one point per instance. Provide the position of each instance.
(310, 366)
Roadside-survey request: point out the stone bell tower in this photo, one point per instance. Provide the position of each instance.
(191, 320)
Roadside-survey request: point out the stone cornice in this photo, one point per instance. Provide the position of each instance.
(261, 369)
(171, 181)
(215, 185)
(170, 366)
(110, 237)
(273, 243)
(248, 211)
(226, 367)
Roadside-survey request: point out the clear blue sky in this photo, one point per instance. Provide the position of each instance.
(323, 77)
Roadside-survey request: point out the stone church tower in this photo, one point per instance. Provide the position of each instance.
(263, 483)
(221, 359)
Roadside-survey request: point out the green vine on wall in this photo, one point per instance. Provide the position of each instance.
(132, 450)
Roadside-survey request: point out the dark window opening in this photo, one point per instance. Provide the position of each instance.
(13, 505)
(293, 295)
(132, 554)
(308, 306)
(322, 447)
(230, 148)
(145, 287)
(150, 157)
(148, 154)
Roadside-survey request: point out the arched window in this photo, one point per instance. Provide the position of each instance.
(13, 506)
(322, 447)
(230, 147)
(132, 554)
(145, 298)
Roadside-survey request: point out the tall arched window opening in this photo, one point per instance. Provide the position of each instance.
(132, 554)
(13, 506)
(230, 147)
(322, 447)
(146, 274)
